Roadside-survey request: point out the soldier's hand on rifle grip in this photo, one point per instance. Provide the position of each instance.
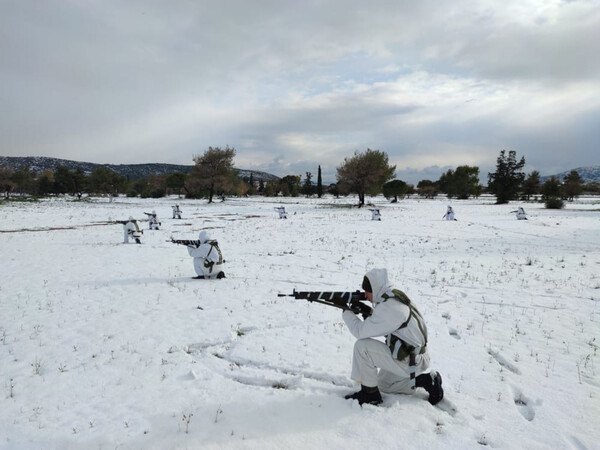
(366, 311)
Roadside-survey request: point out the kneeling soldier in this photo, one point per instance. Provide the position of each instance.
(400, 364)
(208, 260)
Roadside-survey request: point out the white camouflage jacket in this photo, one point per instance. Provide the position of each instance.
(387, 315)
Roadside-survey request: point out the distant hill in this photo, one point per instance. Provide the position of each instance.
(588, 174)
(131, 171)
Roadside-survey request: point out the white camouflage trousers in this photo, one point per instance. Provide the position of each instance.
(393, 377)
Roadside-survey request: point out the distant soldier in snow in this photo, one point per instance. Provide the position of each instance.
(132, 229)
(208, 260)
(375, 215)
(281, 211)
(520, 213)
(176, 212)
(153, 223)
(449, 214)
(401, 363)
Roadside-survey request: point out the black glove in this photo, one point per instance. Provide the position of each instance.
(367, 311)
(362, 309)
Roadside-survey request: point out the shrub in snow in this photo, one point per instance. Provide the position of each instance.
(554, 203)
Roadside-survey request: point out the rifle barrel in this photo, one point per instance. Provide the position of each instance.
(345, 300)
(331, 296)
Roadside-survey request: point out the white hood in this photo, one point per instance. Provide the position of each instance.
(380, 283)
(203, 236)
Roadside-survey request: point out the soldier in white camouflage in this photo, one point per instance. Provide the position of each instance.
(399, 365)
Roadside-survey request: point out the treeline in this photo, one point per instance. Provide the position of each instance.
(509, 182)
(101, 181)
(370, 173)
(212, 174)
(365, 173)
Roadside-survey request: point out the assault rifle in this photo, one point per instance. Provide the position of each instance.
(135, 233)
(188, 242)
(123, 222)
(350, 301)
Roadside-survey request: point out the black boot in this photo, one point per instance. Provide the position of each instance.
(432, 383)
(370, 395)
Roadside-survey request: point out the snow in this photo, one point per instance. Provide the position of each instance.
(112, 345)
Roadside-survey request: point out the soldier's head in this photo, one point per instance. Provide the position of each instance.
(203, 236)
(375, 284)
(131, 219)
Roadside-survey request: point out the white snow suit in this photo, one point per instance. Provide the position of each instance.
(131, 228)
(281, 211)
(521, 214)
(449, 214)
(153, 223)
(375, 215)
(371, 354)
(176, 212)
(208, 261)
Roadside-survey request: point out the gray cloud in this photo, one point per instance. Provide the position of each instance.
(295, 85)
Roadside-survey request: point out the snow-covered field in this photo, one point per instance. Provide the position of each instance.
(107, 345)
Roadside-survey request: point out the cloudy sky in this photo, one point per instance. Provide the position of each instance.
(291, 85)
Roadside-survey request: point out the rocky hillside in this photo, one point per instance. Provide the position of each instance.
(588, 174)
(132, 171)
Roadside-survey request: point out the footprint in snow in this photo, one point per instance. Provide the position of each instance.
(454, 333)
(504, 362)
(524, 405)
